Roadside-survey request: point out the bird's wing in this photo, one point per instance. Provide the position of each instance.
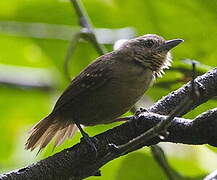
(90, 79)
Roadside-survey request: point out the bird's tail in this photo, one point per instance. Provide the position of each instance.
(49, 127)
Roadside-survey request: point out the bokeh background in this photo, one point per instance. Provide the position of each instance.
(34, 37)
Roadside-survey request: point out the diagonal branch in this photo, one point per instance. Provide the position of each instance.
(207, 88)
(79, 161)
(211, 176)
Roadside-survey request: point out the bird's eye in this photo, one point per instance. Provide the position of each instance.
(149, 43)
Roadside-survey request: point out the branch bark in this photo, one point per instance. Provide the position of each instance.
(79, 161)
(207, 88)
(211, 176)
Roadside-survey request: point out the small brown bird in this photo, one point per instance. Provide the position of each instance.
(105, 90)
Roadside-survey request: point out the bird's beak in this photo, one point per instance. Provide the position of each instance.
(168, 45)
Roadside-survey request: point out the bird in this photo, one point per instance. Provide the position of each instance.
(105, 89)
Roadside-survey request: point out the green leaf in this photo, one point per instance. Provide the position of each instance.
(139, 166)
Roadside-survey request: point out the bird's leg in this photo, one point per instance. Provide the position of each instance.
(86, 138)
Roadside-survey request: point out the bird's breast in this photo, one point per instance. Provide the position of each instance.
(132, 84)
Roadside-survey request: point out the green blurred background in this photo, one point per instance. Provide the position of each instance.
(28, 40)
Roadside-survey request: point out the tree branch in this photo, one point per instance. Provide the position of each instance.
(207, 88)
(211, 176)
(79, 161)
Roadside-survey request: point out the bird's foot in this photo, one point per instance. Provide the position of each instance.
(90, 141)
(86, 138)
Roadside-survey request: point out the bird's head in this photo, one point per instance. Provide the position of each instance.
(151, 51)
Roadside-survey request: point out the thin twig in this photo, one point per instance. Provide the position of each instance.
(84, 20)
(161, 159)
(69, 53)
(86, 26)
(86, 32)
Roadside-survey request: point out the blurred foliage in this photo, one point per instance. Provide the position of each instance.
(144, 167)
(194, 21)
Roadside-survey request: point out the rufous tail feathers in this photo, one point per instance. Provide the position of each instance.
(49, 127)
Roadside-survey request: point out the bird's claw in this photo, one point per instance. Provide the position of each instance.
(90, 142)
